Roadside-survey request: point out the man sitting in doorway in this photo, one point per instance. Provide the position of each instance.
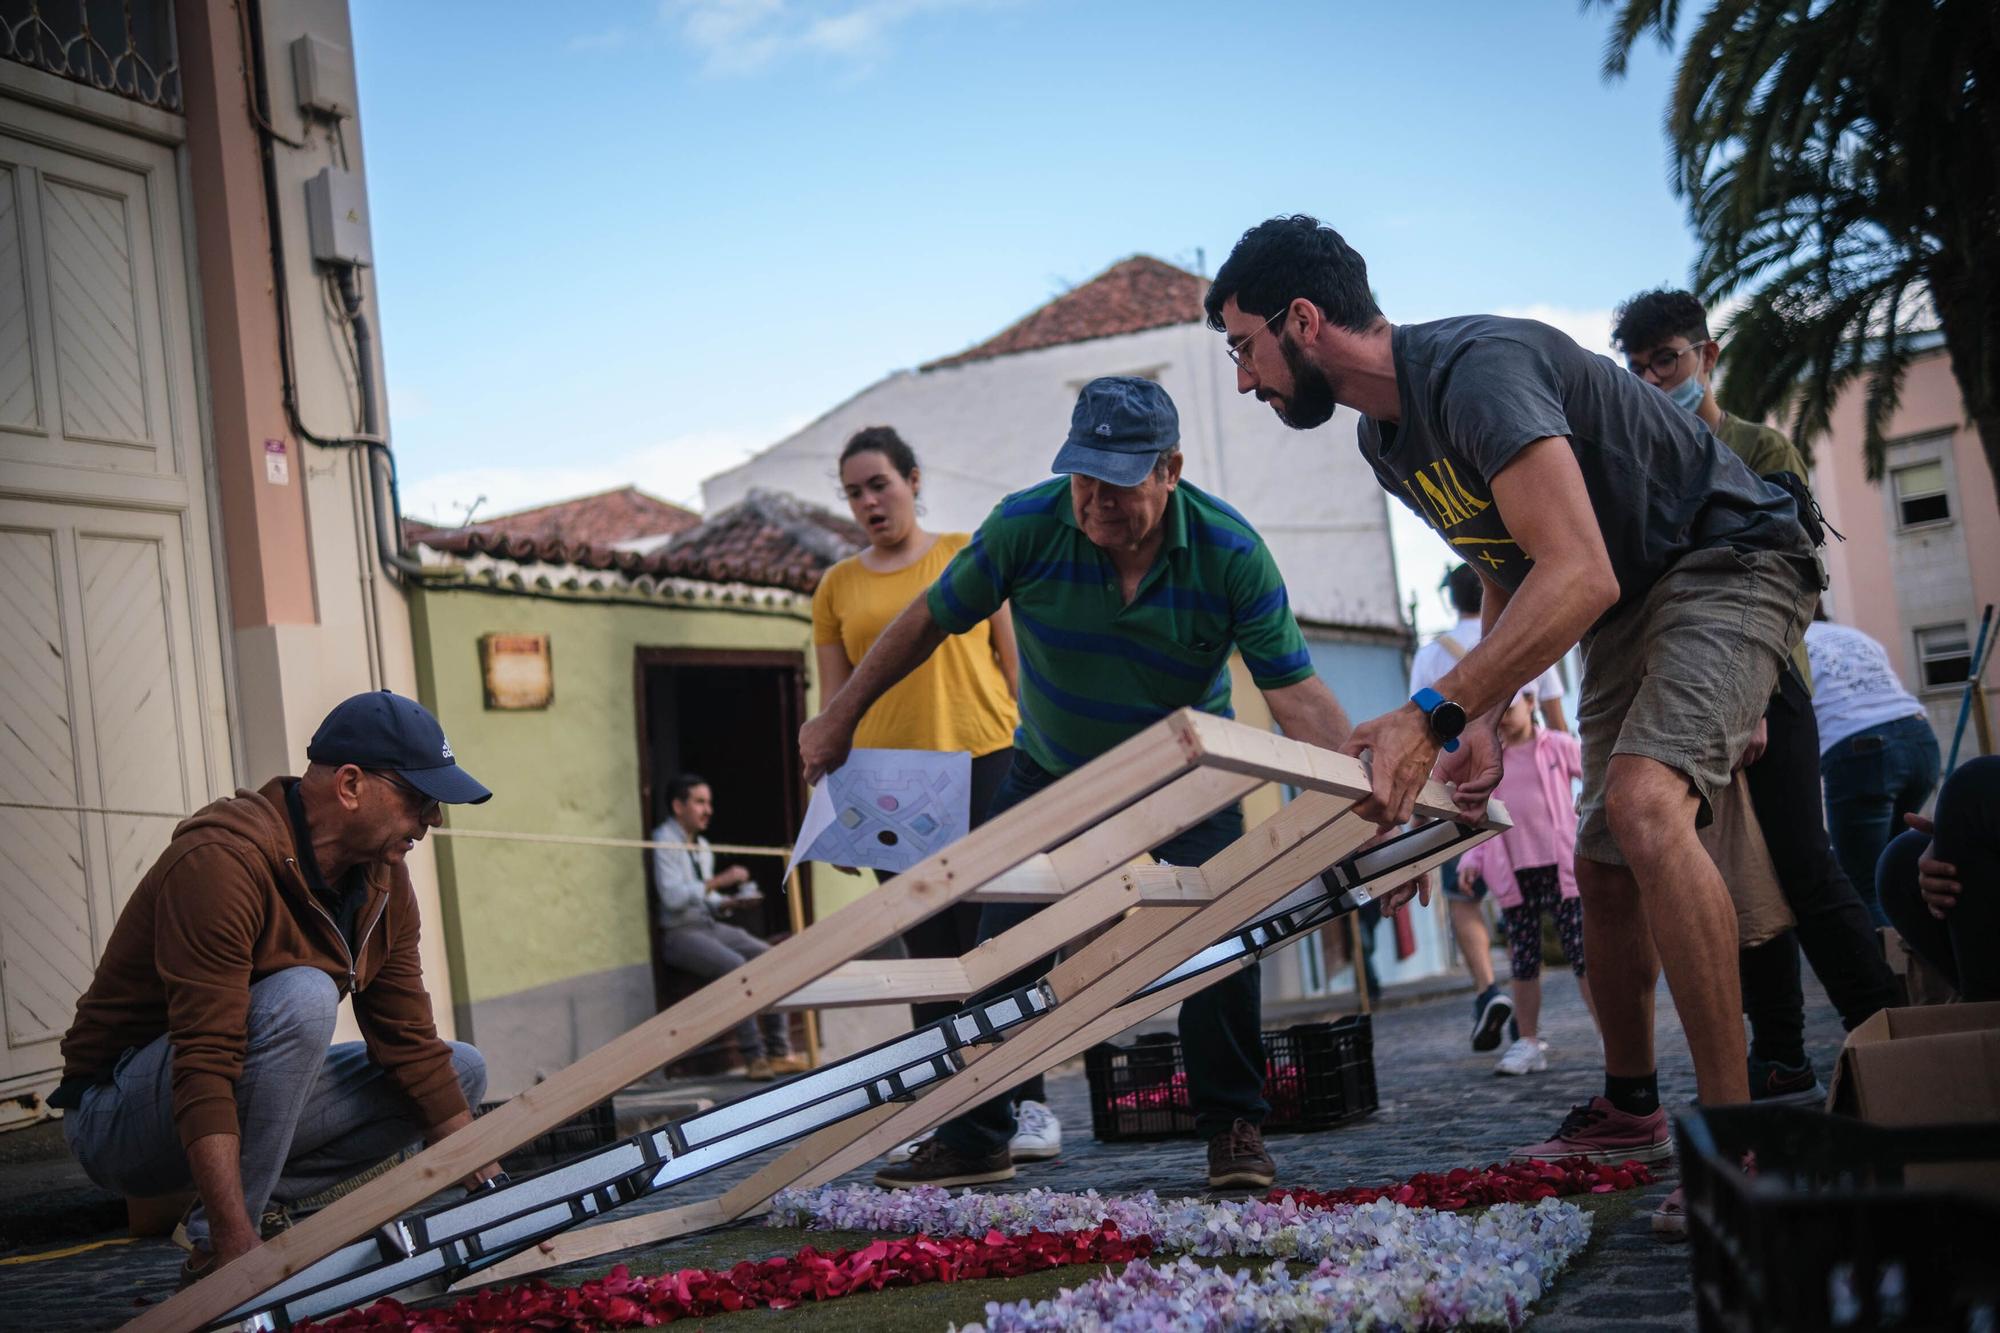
(1491, 1007)
(690, 893)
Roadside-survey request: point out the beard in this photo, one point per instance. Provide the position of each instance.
(1311, 401)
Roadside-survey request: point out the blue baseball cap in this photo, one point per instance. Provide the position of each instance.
(383, 730)
(1120, 425)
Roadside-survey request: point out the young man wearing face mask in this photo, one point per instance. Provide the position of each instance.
(1665, 339)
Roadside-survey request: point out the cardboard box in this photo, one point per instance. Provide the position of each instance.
(1938, 1065)
(1922, 983)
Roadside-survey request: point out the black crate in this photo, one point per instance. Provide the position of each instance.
(1315, 1076)
(1822, 1230)
(595, 1128)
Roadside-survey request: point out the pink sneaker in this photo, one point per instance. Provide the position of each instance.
(1597, 1131)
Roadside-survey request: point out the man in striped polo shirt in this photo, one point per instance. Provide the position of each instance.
(1129, 589)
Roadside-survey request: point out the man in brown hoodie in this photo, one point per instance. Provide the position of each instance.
(201, 1053)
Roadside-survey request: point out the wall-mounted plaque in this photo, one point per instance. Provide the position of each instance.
(516, 671)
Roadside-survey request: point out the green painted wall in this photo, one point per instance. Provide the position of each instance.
(521, 914)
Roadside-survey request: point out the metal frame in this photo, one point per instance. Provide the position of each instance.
(1164, 932)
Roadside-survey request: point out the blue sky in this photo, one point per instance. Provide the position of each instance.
(637, 241)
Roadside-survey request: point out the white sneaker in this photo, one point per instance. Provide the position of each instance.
(1037, 1133)
(902, 1152)
(1525, 1056)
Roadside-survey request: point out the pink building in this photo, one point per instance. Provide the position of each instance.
(1922, 554)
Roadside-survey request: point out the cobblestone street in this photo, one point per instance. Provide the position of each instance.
(1441, 1107)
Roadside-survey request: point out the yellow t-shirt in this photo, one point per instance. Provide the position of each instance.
(958, 700)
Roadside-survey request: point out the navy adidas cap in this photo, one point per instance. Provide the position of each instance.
(1121, 424)
(383, 730)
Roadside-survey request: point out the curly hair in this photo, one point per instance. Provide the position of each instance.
(1282, 259)
(1650, 318)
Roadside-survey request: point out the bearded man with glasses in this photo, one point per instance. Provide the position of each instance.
(201, 1054)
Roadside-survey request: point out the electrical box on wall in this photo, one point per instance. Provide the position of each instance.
(325, 76)
(337, 218)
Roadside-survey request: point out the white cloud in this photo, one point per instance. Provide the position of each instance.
(671, 469)
(1590, 328)
(743, 36)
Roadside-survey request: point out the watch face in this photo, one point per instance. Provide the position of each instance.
(1447, 721)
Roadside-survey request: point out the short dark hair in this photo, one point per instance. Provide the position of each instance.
(1650, 318)
(1282, 259)
(882, 440)
(681, 786)
(1466, 591)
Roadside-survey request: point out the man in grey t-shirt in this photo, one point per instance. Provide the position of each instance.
(1593, 509)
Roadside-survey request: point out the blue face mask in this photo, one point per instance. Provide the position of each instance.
(1688, 393)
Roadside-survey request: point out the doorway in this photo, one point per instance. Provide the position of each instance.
(733, 716)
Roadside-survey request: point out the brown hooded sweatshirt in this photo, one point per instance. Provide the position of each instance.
(227, 905)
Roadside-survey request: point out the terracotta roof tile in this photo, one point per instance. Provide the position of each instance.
(603, 519)
(1132, 295)
(768, 539)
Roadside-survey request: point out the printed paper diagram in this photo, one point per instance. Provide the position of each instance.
(887, 809)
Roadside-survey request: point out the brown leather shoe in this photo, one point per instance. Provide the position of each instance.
(198, 1265)
(784, 1066)
(935, 1164)
(1237, 1160)
(758, 1070)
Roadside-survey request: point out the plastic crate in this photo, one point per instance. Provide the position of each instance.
(1824, 1232)
(595, 1128)
(1315, 1076)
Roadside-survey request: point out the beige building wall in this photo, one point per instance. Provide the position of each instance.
(1910, 584)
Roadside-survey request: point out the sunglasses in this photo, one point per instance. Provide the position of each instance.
(426, 806)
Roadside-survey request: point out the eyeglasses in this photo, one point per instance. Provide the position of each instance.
(1663, 361)
(427, 806)
(1235, 349)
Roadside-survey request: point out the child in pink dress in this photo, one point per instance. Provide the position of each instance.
(1531, 868)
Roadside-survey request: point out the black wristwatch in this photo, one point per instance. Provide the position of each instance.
(1447, 719)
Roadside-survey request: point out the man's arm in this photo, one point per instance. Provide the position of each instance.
(1006, 650)
(1307, 711)
(215, 1162)
(903, 647)
(1543, 502)
(394, 1014)
(1547, 510)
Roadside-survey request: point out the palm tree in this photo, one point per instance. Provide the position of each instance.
(1841, 164)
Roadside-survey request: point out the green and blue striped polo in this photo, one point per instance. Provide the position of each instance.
(1094, 669)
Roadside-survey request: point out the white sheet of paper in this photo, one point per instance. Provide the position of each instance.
(887, 809)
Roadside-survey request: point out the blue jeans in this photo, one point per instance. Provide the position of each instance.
(1965, 945)
(309, 1115)
(1873, 778)
(1221, 1027)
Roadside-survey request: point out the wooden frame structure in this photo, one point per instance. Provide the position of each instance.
(1069, 845)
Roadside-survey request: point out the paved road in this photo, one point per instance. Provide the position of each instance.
(1440, 1108)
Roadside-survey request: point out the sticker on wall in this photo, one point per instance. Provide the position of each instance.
(516, 672)
(887, 809)
(277, 467)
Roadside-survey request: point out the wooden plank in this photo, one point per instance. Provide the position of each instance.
(1248, 877)
(883, 981)
(1082, 803)
(1275, 758)
(1033, 881)
(1086, 898)
(911, 980)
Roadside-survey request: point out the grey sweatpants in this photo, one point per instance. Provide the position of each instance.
(714, 949)
(310, 1114)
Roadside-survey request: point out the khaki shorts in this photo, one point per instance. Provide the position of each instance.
(1682, 675)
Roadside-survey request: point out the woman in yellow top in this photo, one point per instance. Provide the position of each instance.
(961, 699)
